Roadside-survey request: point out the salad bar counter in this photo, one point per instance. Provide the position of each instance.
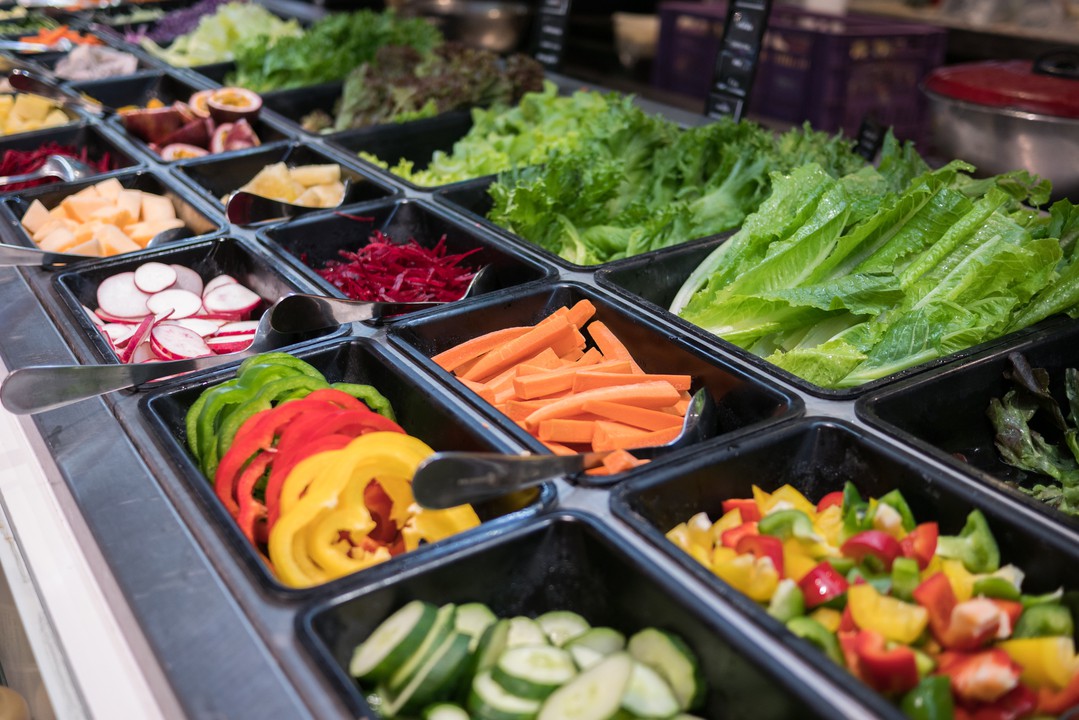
(812, 421)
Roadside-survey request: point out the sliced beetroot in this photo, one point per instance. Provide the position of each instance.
(118, 333)
(137, 338)
(200, 326)
(230, 343)
(154, 277)
(187, 279)
(176, 303)
(242, 327)
(230, 298)
(216, 282)
(120, 297)
(178, 342)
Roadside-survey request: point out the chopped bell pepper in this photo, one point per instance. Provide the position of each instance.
(1046, 661)
(1059, 702)
(814, 632)
(992, 586)
(1018, 703)
(872, 548)
(797, 562)
(1044, 621)
(786, 524)
(893, 619)
(767, 502)
(897, 502)
(857, 514)
(931, 699)
(828, 617)
(921, 543)
(983, 677)
(936, 595)
(829, 524)
(975, 545)
(762, 546)
(822, 584)
(730, 538)
(832, 499)
(753, 576)
(890, 671)
(905, 577)
(787, 602)
(961, 579)
(700, 529)
(748, 508)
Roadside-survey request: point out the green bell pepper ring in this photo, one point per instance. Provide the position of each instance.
(1044, 621)
(975, 545)
(812, 631)
(218, 400)
(370, 397)
(267, 396)
(279, 358)
(931, 699)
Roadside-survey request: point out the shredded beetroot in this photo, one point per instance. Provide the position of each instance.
(388, 272)
(17, 162)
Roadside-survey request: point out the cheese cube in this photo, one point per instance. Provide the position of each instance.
(110, 188)
(114, 241)
(83, 208)
(36, 215)
(59, 240)
(90, 247)
(157, 207)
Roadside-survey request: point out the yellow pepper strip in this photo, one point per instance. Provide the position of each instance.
(756, 577)
(731, 519)
(1046, 661)
(827, 617)
(378, 454)
(797, 562)
(896, 620)
(322, 539)
(961, 579)
(434, 525)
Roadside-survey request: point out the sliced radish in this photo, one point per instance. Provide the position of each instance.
(118, 333)
(144, 353)
(180, 303)
(104, 317)
(223, 318)
(137, 338)
(93, 316)
(230, 343)
(230, 298)
(204, 328)
(244, 327)
(218, 282)
(172, 340)
(154, 277)
(120, 297)
(187, 279)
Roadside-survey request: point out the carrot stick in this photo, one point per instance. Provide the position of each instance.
(627, 442)
(559, 449)
(520, 348)
(566, 431)
(592, 357)
(581, 313)
(538, 385)
(588, 379)
(573, 355)
(520, 409)
(606, 341)
(633, 415)
(480, 389)
(648, 395)
(572, 342)
(452, 359)
(613, 435)
(620, 461)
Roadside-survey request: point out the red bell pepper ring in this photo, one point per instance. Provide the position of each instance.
(982, 677)
(921, 544)
(935, 594)
(380, 506)
(746, 506)
(762, 546)
(872, 544)
(730, 538)
(1018, 703)
(1057, 702)
(890, 672)
(282, 466)
(251, 511)
(832, 498)
(821, 584)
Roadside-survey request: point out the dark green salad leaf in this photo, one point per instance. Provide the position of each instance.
(328, 50)
(1023, 447)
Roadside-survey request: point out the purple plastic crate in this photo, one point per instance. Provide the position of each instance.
(829, 70)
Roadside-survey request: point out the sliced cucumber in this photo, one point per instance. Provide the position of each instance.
(533, 671)
(686, 716)
(472, 619)
(489, 701)
(595, 694)
(445, 711)
(673, 660)
(561, 626)
(431, 680)
(648, 695)
(585, 657)
(440, 630)
(603, 640)
(392, 642)
(525, 631)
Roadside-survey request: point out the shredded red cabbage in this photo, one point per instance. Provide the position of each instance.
(385, 271)
(177, 23)
(17, 162)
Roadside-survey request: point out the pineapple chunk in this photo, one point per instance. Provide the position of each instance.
(55, 117)
(311, 175)
(32, 107)
(6, 103)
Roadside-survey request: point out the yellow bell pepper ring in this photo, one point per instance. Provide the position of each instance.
(896, 620)
(1046, 661)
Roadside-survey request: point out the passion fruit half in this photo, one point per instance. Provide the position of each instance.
(199, 102)
(229, 104)
(181, 151)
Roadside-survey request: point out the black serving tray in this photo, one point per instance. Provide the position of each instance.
(310, 242)
(744, 400)
(818, 456)
(14, 206)
(77, 287)
(565, 561)
(293, 104)
(216, 177)
(943, 412)
(423, 412)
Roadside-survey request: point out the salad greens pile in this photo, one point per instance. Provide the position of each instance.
(218, 35)
(328, 50)
(401, 84)
(638, 183)
(503, 138)
(1021, 446)
(844, 281)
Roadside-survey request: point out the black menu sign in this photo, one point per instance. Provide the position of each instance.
(737, 59)
(551, 21)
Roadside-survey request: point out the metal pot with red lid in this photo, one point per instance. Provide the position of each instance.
(1010, 115)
